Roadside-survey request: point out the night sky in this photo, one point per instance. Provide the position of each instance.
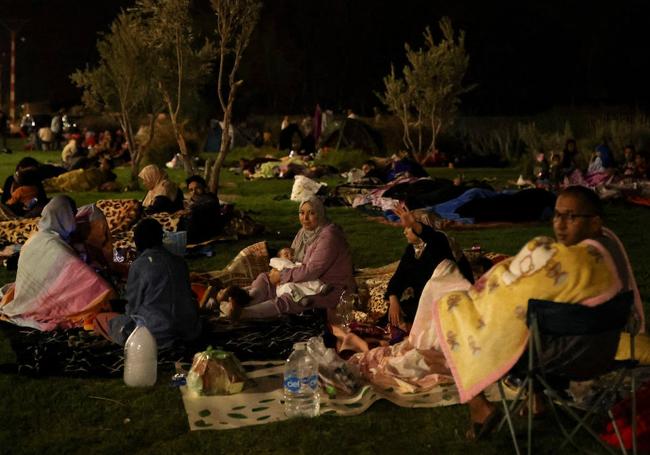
(526, 56)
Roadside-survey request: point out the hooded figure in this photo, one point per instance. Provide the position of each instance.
(54, 288)
(59, 217)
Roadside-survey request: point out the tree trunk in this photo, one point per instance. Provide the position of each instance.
(215, 173)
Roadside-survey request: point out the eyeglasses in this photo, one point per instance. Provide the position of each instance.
(570, 217)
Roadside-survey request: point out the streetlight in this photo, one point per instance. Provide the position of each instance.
(13, 26)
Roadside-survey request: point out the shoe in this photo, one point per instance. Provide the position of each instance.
(480, 431)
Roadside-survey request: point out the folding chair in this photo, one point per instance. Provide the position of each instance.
(571, 342)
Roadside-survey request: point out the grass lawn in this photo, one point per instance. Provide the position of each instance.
(62, 415)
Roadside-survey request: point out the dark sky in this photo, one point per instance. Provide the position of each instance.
(525, 56)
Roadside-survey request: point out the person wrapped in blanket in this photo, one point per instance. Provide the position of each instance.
(157, 291)
(163, 195)
(321, 248)
(54, 287)
(478, 333)
(426, 249)
(577, 221)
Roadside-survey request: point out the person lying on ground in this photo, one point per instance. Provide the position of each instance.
(54, 287)
(158, 293)
(321, 247)
(162, 194)
(99, 177)
(371, 174)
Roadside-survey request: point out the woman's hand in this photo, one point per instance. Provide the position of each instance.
(394, 311)
(407, 218)
(275, 277)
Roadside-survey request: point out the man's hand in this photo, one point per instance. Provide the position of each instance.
(274, 277)
(394, 311)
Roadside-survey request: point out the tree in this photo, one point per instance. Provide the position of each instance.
(181, 66)
(236, 20)
(427, 96)
(118, 86)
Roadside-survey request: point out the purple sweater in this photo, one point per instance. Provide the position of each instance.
(327, 259)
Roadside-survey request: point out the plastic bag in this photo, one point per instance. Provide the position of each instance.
(335, 374)
(215, 372)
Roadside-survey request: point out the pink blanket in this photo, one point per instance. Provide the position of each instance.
(53, 288)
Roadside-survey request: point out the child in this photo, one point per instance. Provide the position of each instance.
(232, 299)
(297, 290)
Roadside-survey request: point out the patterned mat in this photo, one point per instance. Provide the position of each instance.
(262, 400)
(79, 353)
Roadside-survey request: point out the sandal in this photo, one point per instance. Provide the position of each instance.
(480, 431)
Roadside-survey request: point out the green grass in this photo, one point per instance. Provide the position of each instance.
(58, 415)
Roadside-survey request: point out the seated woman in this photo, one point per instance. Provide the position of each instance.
(163, 195)
(158, 293)
(322, 249)
(426, 249)
(23, 193)
(54, 288)
(94, 243)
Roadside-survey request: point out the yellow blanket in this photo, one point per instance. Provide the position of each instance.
(482, 331)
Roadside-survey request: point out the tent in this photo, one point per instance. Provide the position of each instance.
(355, 134)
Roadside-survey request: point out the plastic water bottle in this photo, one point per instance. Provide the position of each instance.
(301, 396)
(140, 358)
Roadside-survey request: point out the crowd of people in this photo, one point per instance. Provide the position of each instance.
(602, 165)
(310, 274)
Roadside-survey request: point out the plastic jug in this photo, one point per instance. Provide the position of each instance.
(140, 358)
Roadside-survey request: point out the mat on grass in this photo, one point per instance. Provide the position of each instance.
(262, 400)
(76, 352)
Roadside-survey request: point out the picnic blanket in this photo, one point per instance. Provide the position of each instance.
(262, 400)
(482, 331)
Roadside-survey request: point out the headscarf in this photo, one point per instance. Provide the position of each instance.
(157, 179)
(606, 156)
(58, 216)
(96, 235)
(304, 238)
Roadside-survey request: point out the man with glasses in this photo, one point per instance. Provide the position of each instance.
(578, 216)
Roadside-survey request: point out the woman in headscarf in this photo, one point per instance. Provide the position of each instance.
(163, 195)
(426, 249)
(321, 247)
(54, 288)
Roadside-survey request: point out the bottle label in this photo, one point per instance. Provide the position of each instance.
(292, 383)
(311, 381)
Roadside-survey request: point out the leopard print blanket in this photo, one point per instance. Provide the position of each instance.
(121, 215)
